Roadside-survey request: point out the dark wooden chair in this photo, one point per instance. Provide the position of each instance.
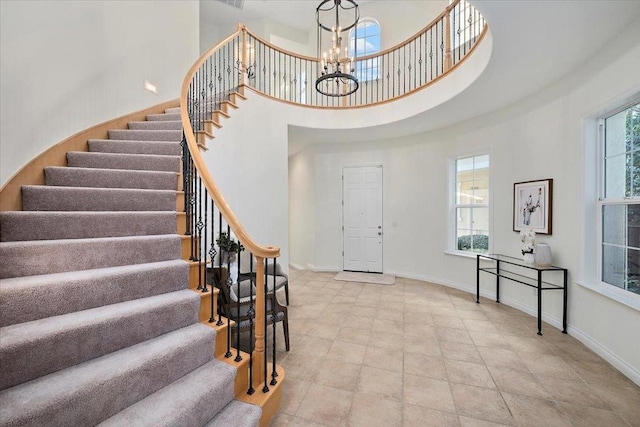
(244, 290)
(278, 280)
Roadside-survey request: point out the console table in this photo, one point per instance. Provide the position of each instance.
(502, 269)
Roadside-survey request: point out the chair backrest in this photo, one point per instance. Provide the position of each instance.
(228, 305)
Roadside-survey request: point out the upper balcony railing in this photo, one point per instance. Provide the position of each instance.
(387, 75)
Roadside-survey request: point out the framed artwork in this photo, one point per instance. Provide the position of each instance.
(532, 202)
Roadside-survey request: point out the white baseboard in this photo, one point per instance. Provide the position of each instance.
(296, 266)
(321, 268)
(626, 369)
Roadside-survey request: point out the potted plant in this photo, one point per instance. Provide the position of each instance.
(229, 247)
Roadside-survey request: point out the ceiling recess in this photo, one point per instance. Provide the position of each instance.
(239, 4)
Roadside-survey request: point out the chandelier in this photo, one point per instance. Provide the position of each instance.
(336, 74)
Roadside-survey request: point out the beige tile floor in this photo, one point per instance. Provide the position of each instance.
(419, 354)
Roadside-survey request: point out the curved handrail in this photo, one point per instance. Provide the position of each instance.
(209, 182)
(410, 66)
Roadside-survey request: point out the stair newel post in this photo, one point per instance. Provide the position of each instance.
(274, 317)
(265, 389)
(447, 40)
(203, 249)
(259, 327)
(251, 313)
(244, 46)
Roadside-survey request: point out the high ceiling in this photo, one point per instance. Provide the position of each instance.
(535, 43)
(299, 14)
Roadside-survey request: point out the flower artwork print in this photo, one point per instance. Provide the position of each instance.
(532, 206)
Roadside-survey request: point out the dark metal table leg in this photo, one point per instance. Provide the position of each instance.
(564, 305)
(539, 302)
(498, 281)
(478, 279)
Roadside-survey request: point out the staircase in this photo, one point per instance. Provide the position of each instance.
(98, 324)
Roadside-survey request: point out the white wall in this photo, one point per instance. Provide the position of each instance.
(401, 19)
(68, 65)
(248, 161)
(302, 203)
(541, 137)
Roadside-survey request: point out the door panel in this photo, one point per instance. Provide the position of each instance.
(362, 218)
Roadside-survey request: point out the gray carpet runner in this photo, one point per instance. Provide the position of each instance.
(149, 162)
(52, 198)
(53, 225)
(97, 323)
(110, 178)
(135, 147)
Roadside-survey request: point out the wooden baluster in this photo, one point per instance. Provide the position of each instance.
(259, 349)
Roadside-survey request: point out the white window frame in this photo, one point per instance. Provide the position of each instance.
(452, 248)
(623, 295)
(353, 42)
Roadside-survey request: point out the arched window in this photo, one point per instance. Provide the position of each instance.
(366, 38)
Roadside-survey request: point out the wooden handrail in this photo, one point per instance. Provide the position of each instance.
(386, 101)
(398, 46)
(424, 66)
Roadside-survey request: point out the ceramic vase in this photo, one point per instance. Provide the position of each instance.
(543, 255)
(529, 258)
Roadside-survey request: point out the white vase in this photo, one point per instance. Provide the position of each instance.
(231, 259)
(528, 258)
(543, 255)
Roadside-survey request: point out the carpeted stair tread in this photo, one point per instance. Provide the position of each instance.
(146, 135)
(95, 390)
(161, 148)
(24, 299)
(51, 225)
(52, 198)
(190, 401)
(157, 125)
(143, 162)
(167, 116)
(57, 256)
(237, 413)
(33, 349)
(173, 110)
(110, 178)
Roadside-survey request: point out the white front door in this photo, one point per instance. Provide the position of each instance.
(362, 218)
